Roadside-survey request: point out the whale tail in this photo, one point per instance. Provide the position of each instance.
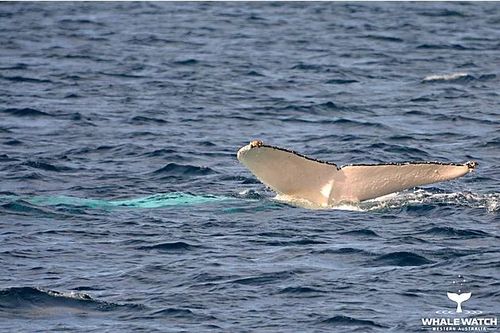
(324, 183)
(459, 299)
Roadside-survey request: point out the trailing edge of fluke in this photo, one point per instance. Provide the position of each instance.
(325, 184)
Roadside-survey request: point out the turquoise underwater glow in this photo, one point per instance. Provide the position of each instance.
(151, 201)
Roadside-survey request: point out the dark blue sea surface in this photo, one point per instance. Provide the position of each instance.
(123, 206)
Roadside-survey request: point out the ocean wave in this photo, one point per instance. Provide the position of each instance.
(455, 232)
(265, 278)
(169, 247)
(344, 250)
(307, 67)
(454, 77)
(300, 290)
(46, 166)
(122, 75)
(26, 112)
(187, 62)
(303, 241)
(341, 320)
(78, 22)
(18, 66)
(309, 109)
(146, 120)
(72, 95)
(341, 81)
(162, 152)
(361, 232)
(174, 169)
(401, 258)
(181, 313)
(442, 13)
(13, 142)
(22, 79)
(255, 73)
(37, 302)
(384, 38)
(443, 47)
(6, 158)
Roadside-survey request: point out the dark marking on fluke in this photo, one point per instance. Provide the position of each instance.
(258, 143)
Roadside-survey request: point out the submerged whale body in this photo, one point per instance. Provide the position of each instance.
(325, 184)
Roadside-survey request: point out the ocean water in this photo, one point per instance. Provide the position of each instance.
(122, 204)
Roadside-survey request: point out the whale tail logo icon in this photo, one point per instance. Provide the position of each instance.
(459, 298)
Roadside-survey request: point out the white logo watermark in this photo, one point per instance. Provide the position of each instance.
(459, 298)
(459, 319)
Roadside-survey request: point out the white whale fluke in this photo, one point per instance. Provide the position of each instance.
(322, 183)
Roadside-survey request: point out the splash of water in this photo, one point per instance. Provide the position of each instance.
(446, 77)
(488, 201)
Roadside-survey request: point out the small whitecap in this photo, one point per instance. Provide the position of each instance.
(446, 77)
